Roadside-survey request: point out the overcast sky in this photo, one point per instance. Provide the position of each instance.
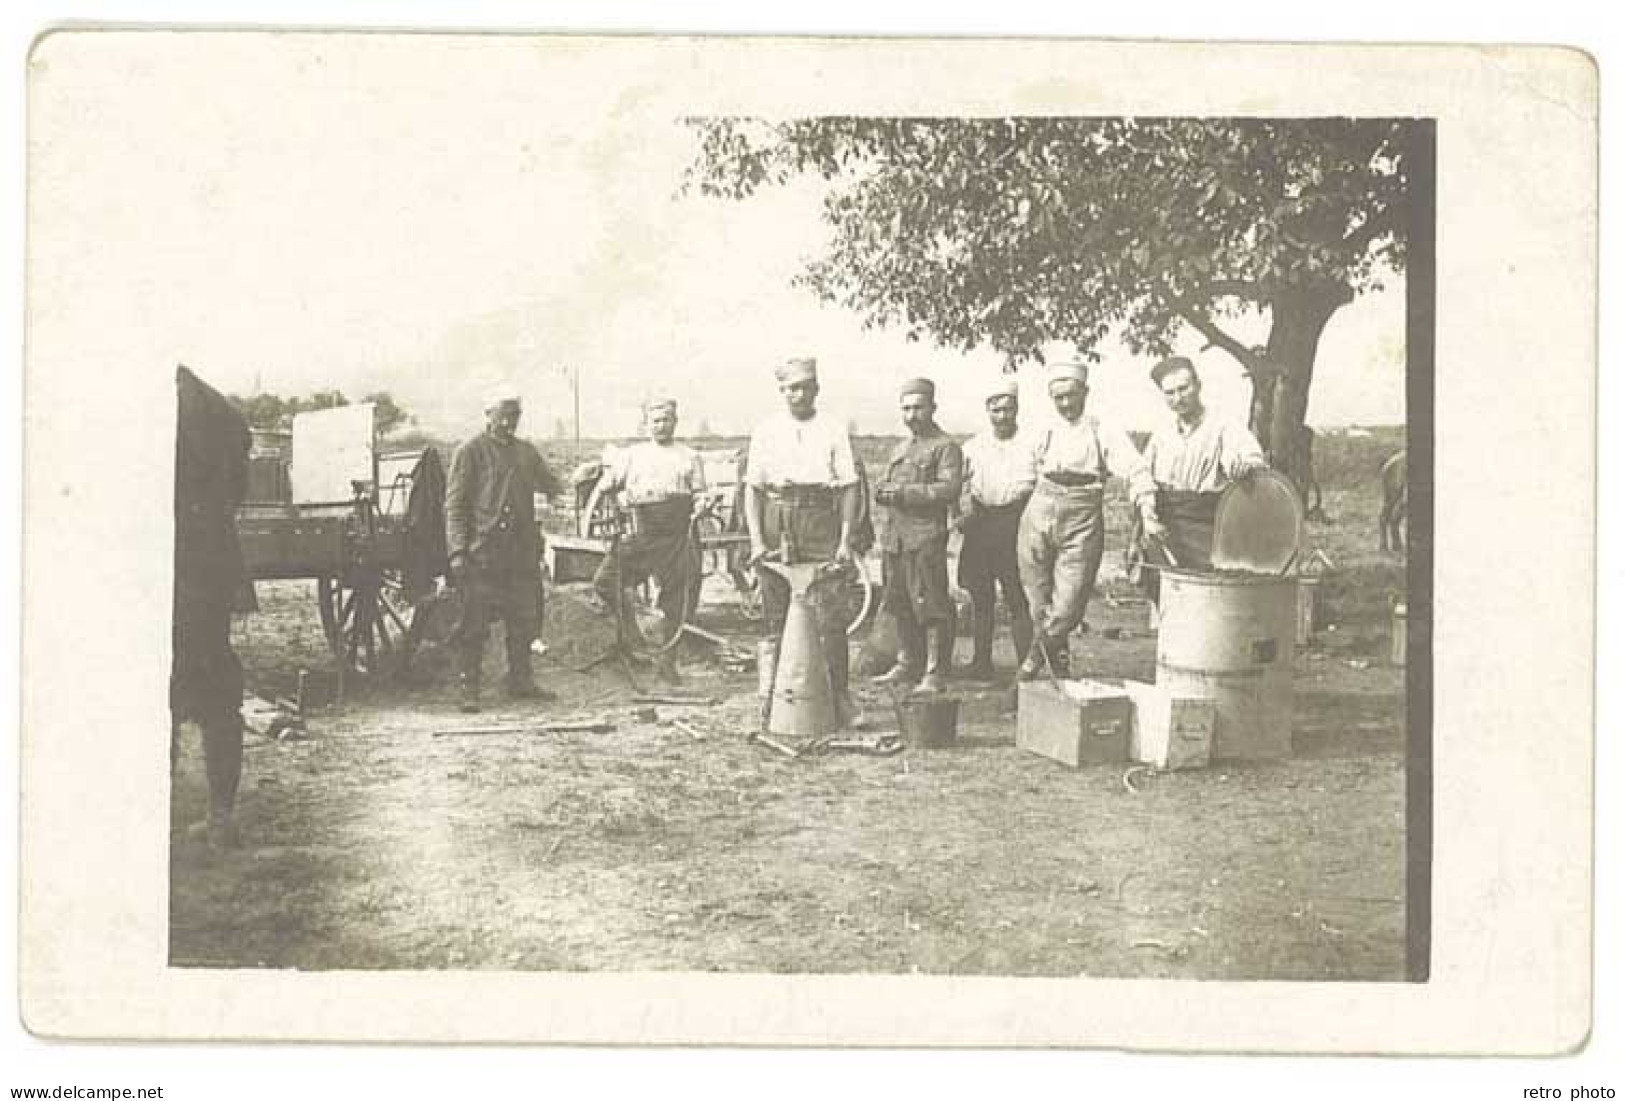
(321, 222)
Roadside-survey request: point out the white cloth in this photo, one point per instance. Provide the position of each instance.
(1203, 458)
(814, 452)
(997, 471)
(648, 472)
(1085, 446)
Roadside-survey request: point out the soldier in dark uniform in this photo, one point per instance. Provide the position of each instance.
(206, 681)
(493, 546)
(920, 486)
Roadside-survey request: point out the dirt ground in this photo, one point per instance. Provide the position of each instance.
(376, 844)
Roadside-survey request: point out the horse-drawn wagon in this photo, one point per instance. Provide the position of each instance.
(367, 526)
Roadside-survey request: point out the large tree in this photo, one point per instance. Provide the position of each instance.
(1017, 233)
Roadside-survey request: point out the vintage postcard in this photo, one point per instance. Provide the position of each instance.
(662, 540)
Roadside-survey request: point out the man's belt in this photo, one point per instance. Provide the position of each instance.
(666, 517)
(1009, 506)
(802, 496)
(1070, 479)
(1187, 504)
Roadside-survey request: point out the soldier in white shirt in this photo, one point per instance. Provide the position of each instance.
(656, 481)
(1191, 461)
(1001, 467)
(1063, 530)
(802, 501)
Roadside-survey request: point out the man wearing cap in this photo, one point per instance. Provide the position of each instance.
(1001, 467)
(803, 501)
(656, 481)
(921, 484)
(1191, 461)
(493, 547)
(1063, 530)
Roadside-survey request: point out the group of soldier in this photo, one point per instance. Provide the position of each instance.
(1028, 503)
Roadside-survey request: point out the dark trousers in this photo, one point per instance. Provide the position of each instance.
(516, 601)
(206, 687)
(987, 566)
(659, 548)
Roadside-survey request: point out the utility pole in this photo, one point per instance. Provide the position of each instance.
(575, 458)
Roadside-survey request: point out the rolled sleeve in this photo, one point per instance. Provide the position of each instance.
(1124, 460)
(843, 467)
(1238, 449)
(755, 459)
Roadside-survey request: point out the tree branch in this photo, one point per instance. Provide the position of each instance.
(1231, 288)
(1216, 336)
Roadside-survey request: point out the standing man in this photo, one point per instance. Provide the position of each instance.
(922, 483)
(657, 481)
(1001, 468)
(493, 547)
(206, 680)
(1063, 530)
(1191, 461)
(802, 499)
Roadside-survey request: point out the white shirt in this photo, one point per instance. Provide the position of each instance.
(648, 472)
(814, 452)
(1203, 458)
(1085, 446)
(998, 472)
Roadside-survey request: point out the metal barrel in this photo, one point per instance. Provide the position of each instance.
(1230, 638)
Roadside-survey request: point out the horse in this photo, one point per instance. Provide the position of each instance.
(1395, 500)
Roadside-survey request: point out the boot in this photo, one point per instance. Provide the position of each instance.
(468, 693)
(909, 647)
(1058, 661)
(941, 638)
(520, 685)
(981, 666)
(666, 667)
(1021, 633)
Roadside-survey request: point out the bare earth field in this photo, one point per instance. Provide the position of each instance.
(375, 844)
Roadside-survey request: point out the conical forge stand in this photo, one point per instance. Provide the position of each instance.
(800, 706)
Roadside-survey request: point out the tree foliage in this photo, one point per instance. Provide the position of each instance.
(272, 412)
(1017, 233)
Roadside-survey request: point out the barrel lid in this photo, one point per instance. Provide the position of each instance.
(1258, 525)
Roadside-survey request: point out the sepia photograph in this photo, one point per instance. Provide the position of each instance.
(620, 528)
(996, 565)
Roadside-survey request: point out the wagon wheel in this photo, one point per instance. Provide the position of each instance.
(730, 562)
(366, 619)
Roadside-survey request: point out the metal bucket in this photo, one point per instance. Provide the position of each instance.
(1229, 638)
(926, 722)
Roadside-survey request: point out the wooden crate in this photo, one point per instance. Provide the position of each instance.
(1168, 731)
(1075, 722)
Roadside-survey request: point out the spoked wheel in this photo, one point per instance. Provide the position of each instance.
(648, 631)
(729, 562)
(368, 623)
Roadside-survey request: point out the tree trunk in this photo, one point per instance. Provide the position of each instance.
(1281, 400)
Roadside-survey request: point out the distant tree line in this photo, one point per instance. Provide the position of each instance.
(272, 412)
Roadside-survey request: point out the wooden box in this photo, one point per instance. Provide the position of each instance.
(1168, 731)
(1075, 722)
